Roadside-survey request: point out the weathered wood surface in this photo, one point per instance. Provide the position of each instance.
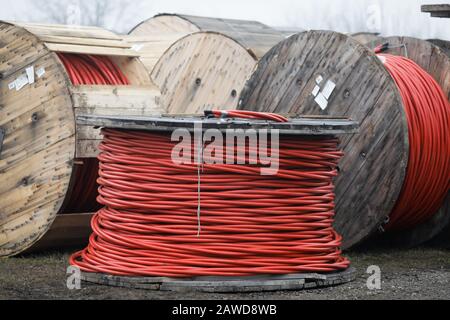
(254, 36)
(226, 284)
(444, 45)
(437, 10)
(202, 71)
(373, 168)
(305, 126)
(201, 62)
(38, 120)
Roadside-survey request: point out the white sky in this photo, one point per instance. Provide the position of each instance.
(397, 17)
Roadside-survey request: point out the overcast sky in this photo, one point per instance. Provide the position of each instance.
(390, 17)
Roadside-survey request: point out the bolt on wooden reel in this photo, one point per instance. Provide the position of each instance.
(42, 147)
(201, 63)
(322, 73)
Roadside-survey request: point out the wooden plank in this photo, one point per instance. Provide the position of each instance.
(202, 71)
(69, 31)
(86, 42)
(116, 100)
(437, 10)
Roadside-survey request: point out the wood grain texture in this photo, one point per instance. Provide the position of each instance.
(285, 78)
(436, 62)
(253, 35)
(437, 10)
(202, 71)
(39, 144)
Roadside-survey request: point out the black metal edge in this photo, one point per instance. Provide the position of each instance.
(296, 126)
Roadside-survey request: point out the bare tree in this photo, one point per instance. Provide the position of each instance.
(113, 14)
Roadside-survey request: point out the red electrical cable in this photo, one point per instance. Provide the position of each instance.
(88, 70)
(428, 173)
(250, 224)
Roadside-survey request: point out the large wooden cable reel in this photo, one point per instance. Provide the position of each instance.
(198, 62)
(437, 63)
(374, 167)
(42, 145)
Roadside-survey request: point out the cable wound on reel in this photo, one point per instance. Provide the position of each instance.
(251, 224)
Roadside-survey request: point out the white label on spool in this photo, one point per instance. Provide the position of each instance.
(12, 85)
(316, 91)
(30, 74)
(321, 101)
(328, 90)
(40, 72)
(319, 80)
(21, 82)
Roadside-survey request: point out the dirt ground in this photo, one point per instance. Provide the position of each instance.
(406, 274)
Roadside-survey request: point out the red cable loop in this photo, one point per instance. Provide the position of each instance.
(250, 224)
(428, 173)
(88, 70)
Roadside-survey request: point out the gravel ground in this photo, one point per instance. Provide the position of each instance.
(411, 274)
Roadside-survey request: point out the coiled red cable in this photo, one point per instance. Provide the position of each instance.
(250, 224)
(428, 172)
(88, 70)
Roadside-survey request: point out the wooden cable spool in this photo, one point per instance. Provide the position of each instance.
(42, 146)
(374, 167)
(199, 62)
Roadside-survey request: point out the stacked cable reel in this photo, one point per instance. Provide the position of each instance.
(202, 222)
(48, 75)
(322, 73)
(200, 63)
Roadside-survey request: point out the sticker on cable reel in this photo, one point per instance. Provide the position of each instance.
(322, 97)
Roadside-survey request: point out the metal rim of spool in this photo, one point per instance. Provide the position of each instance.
(196, 93)
(33, 217)
(361, 206)
(438, 223)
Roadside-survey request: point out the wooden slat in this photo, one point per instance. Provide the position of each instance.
(108, 100)
(86, 42)
(82, 49)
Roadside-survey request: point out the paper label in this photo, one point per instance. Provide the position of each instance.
(30, 74)
(21, 82)
(328, 90)
(12, 85)
(321, 101)
(316, 91)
